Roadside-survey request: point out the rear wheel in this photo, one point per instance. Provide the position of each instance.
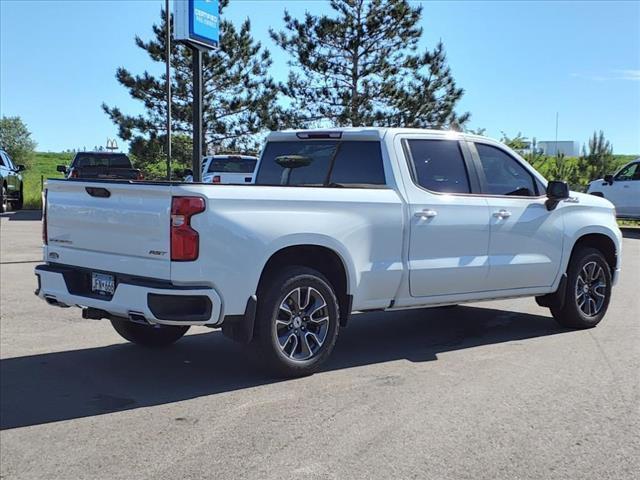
(296, 322)
(18, 204)
(588, 290)
(148, 335)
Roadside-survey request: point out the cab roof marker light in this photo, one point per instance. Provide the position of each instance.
(313, 135)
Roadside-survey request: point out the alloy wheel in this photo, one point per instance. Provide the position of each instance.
(302, 323)
(591, 287)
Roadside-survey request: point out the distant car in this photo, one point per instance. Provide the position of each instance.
(621, 189)
(227, 169)
(11, 183)
(105, 165)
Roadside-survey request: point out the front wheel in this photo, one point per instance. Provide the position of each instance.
(296, 322)
(148, 335)
(588, 290)
(4, 201)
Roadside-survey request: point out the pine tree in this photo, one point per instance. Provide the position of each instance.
(598, 160)
(362, 67)
(239, 96)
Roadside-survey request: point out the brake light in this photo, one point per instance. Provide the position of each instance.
(215, 179)
(185, 241)
(45, 237)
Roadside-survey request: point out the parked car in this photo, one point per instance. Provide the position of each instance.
(336, 222)
(11, 193)
(103, 165)
(226, 169)
(622, 189)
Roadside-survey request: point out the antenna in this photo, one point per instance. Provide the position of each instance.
(557, 115)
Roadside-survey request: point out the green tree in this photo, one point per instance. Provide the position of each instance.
(15, 139)
(362, 66)
(239, 95)
(598, 160)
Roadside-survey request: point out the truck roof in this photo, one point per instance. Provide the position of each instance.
(362, 133)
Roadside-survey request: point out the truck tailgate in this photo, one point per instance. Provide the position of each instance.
(112, 226)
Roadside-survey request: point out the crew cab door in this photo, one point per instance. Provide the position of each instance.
(624, 193)
(448, 226)
(9, 173)
(525, 248)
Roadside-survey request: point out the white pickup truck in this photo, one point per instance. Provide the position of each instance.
(335, 222)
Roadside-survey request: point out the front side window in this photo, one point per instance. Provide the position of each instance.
(2, 162)
(321, 163)
(504, 175)
(439, 166)
(630, 172)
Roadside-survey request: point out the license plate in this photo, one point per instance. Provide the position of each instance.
(102, 283)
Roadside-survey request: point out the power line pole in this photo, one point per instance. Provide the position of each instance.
(168, 81)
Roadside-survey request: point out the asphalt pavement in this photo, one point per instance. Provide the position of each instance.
(492, 390)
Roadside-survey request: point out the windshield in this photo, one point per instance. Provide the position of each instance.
(232, 165)
(102, 160)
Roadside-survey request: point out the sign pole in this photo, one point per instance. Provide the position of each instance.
(196, 24)
(168, 76)
(196, 67)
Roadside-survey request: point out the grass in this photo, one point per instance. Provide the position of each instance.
(42, 166)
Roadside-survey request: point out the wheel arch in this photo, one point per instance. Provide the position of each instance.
(322, 258)
(601, 242)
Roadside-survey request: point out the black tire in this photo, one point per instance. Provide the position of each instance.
(147, 335)
(18, 204)
(4, 201)
(305, 322)
(572, 315)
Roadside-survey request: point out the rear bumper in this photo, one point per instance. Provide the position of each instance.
(158, 301)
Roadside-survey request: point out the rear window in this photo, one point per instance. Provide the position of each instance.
(232, 165)
(98, 160)
(322, 163)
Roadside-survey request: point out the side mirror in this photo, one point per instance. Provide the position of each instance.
(556, 191)
(61, 168)
(608, 179)
(20, 168)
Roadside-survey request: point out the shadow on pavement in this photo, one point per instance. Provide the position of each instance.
(23, 215)
(630, 232)
(80, 383)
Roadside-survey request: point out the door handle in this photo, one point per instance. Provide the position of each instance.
(625, 186)
(426, 213)
(502, 213)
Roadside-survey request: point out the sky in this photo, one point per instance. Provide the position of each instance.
(519, 62)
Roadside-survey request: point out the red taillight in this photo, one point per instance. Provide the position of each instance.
(216, 179)
(140, 176)
(45, 238)
(184, 239)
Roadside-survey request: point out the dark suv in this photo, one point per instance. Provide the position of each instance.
(101, 165)
(11, 182)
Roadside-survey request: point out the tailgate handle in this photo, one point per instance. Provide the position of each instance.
(247, 179)
(98, 192)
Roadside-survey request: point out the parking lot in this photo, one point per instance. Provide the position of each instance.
(488, 390)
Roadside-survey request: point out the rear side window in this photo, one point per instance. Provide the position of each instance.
(321, 163)
(503, 174)
(439, 166)
(232, 165)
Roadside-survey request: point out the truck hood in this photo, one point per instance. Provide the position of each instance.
(592, 200)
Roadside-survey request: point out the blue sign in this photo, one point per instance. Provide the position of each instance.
(197, 21)
(203, 21)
